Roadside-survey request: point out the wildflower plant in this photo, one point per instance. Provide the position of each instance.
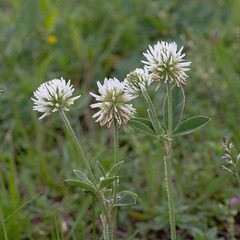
(113, 109)
(231, 166)
(165, 64)
(55, 95)
(231, 161)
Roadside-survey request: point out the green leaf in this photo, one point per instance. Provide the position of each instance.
(101, 169)
(144, 121)
(127, 199)
(108, 192)
(114, 170)
(106, 181)
(190, 125)
(144, 125)
(127, 192)
(80, 184)
(82, 176)
(178, 103)
(161, 137)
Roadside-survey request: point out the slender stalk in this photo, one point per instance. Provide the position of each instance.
(236, 169)
(167, 156)
(93, 219)
(107, 231)
(236, 172)
(107, 228)
(115, 142)
(78, 146)
(152, 108)
(4, 229)
(167, 166)
(170, 120)
(99, 196)
(105, 212)
(115, 156)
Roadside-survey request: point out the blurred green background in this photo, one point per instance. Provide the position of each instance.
(86, 41)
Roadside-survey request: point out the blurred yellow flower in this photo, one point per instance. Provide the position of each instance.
(51, 39)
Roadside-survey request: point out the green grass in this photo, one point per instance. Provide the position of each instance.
(97, 40)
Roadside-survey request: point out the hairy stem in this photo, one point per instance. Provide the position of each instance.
(107, 229)
(115, 156)
(152, 108)
(170, 120)
(78, 147)
(167, 166)
(99, 196)
(167, 156)
(93, 218)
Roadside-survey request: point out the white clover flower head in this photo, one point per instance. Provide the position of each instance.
(166, 63)
(112, 103)
(137, 82)
(52, 96)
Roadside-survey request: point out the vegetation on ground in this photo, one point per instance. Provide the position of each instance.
(86, 41)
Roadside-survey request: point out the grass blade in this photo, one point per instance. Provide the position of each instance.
(18, 209)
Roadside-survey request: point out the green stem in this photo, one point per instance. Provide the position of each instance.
(236, 172)
(167, 166)
(107, 231)
(115, 156)
(170, 120)
(115, 142)
(93, 219)
(152, 108)
(78, 146)
(4, 229)
(108, 227)
(99, 195)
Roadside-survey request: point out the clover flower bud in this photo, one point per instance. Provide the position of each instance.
(137, 82)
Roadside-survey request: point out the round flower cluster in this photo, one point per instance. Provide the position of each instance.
(112, 103)
(166, 63)
(137, 82)
(52, 96)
